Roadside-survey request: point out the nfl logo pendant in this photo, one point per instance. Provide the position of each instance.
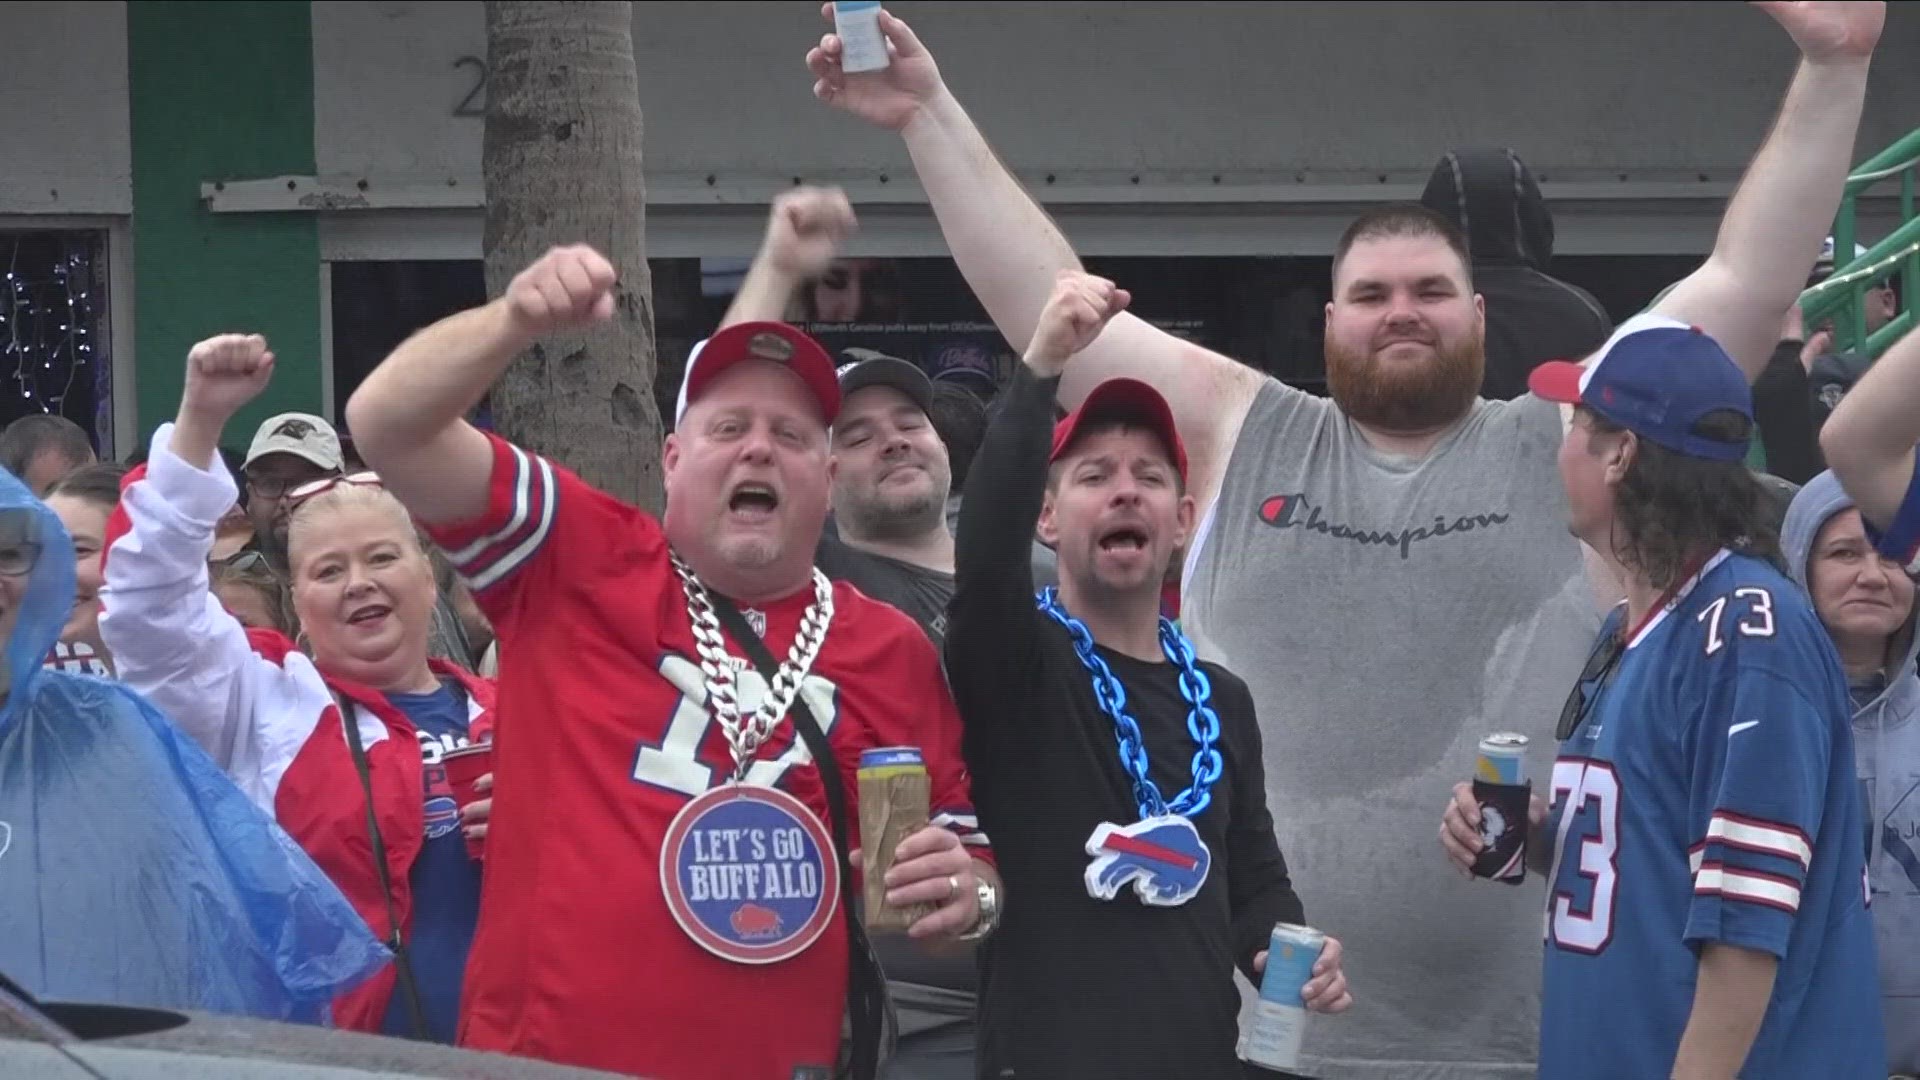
(757, 621)
(1162, 857)
(750, 874)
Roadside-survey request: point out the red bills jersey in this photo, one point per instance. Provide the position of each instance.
(604, 736)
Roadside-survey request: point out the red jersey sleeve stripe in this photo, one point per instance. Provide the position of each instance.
(492, 557)
(1753, 888)
(1764, 837)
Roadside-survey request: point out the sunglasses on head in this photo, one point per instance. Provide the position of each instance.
(328, 483)
(246, 560)
(1586, 691)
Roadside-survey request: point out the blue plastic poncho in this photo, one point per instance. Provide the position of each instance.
(132, 870)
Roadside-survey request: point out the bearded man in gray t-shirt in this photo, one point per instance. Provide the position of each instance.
(1390, 570)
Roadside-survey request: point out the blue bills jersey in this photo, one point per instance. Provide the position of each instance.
(1708, 797)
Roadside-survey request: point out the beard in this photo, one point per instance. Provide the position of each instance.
(1405, 397)
(876, 514)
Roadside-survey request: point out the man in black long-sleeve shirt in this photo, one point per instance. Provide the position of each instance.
(1085, 976)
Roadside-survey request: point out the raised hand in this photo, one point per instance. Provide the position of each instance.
(889, 97)
(568, 288)
(1080, 307)
(806, 230)
(1830, 29)
(223, 374)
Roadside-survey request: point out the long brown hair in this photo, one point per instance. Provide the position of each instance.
(1671, 509)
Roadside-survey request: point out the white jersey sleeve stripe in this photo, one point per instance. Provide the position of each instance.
(1752, 835)
(1734, 885)
(522, 477)
(479, 578)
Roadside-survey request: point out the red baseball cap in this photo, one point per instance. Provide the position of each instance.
(1130, 398)
(776, 342)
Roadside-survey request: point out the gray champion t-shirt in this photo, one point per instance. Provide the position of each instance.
(1387, 613)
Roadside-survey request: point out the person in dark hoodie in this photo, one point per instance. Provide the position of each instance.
(1865, 600)
(1492, 198)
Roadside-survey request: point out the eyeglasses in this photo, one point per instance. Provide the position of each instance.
(327, 483)
(1593, 679)
(272, 487)
(20, 546)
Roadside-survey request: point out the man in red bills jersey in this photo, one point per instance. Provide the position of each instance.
(659, 857)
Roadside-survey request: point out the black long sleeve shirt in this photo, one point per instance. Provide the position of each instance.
(1075, 986)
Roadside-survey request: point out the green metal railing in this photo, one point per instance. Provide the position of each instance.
(1842, 297)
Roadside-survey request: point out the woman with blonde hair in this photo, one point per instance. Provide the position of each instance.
(363, 591)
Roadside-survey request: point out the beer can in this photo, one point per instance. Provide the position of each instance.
(1279, 1021)
(1503, 759)
(895, 793)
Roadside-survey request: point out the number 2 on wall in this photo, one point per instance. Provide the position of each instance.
(1758, 622)
(1584, 782)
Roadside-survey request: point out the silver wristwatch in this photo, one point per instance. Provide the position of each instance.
(989, 911)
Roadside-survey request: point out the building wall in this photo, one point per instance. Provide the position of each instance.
(221, 91)
(64, 134)
(1282, 116)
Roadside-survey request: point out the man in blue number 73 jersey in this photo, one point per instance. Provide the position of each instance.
(1707, 905)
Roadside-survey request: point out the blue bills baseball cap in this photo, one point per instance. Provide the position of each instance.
(1656, 377)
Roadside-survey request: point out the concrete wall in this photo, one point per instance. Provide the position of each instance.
(65, 146)
(1295, 105)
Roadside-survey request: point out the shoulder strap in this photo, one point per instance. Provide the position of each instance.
(867, 1003)
(403, 965)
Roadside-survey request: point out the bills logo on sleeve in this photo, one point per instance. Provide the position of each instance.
(750, 874)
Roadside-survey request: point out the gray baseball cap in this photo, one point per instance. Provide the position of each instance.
(869, 368)
(303, 435)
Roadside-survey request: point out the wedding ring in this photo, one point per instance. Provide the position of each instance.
(953, 886)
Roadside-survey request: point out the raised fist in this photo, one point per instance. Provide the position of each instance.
(224, 373)
(806, 229)
(889, 97)
(568, 288)
(1080, 307)
(1831, 29)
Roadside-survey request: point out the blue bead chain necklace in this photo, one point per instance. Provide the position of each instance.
(1162, 854)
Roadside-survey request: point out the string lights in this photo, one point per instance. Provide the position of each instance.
(50, 350)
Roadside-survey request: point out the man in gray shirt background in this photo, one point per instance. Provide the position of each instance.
(1390, 569)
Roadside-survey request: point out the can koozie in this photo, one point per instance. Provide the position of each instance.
(1503, 830)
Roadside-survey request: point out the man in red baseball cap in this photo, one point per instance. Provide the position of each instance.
(1099, 743)
(664, 835)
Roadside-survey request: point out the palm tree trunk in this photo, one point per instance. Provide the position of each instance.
(561, 160)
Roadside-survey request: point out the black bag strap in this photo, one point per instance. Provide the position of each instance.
(867, 1004)
(403, 965)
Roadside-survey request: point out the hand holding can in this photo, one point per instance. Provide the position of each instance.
(1501, 788)
(1279, 1021)
(895, 794)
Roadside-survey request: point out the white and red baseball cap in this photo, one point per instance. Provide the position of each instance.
(774, 342)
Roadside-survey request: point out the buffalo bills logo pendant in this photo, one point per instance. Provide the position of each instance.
(1163, 857)
(750, 874)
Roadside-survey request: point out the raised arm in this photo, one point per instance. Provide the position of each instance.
(1010, 251)
(1773, 227)
(1869, 439)
(172, 641)
(804, 233)
(993, 624)
(407, 418)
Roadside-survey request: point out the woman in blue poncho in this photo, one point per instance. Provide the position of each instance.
(132, 871)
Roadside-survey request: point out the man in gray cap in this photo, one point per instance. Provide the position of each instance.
(288, 450)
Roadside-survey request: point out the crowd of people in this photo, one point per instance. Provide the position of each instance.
(1142, 597)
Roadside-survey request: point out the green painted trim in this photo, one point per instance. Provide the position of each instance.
(221, 91)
